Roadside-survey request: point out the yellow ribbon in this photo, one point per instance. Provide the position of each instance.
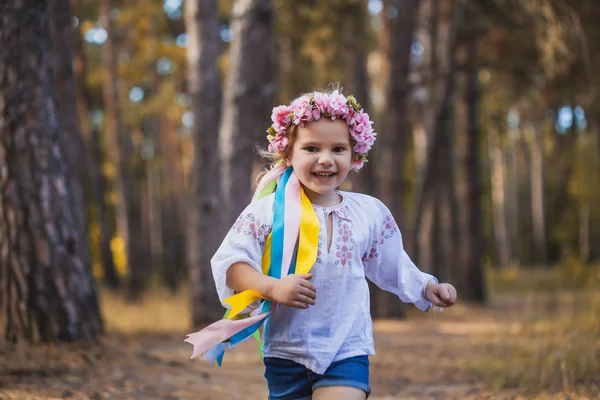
(308, 238)
(308, 243)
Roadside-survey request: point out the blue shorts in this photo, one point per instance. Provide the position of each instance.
(289, 380)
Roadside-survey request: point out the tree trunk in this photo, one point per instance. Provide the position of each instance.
(440, 181)
(511, 182)
(443, 18)
(537, 192)
(584, 231)
(433, 175)
(424, 253)
(247, 101)
(397, 126)
(470, 278)
(204, 200)
(48, 291)
(399, 38)
(364, 181)
(96, 182)
(60, 18)
(498, 178)
(154, 221)
(173, 206)
(120, 149)
(357, 84)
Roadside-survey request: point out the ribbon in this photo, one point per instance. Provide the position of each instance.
(294, 222)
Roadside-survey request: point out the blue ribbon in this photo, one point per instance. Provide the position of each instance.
(276, 260)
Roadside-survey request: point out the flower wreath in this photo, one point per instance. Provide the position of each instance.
(311, 107)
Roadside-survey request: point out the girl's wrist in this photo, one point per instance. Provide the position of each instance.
(430, 283)
(267, 286)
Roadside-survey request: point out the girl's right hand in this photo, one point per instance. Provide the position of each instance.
(294, 291)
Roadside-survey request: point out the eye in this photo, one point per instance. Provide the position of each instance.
(339, 149)
(311, 149)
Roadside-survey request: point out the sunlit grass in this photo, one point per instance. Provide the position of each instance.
(557, 348)
(158, 311)
(569, 274)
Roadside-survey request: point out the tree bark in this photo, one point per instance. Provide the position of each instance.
(443, 18)
(399, 32)
(402, 29)
(120, 149)
(365, 180)
(173, 206)
(440, 181)
(60, 19)
(470, 277)
(433, 175)
(537, 192)
(247, 101)
(513, 212)
(204, 200)
(584, 231)
(96, 182)
(498, 178)
(357, 84)
(48, 291)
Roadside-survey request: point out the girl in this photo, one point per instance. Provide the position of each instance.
(298, 258)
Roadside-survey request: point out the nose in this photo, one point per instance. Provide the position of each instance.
(325, 159)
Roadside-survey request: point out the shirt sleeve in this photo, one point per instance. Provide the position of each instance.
(245, 242)
(388, 266)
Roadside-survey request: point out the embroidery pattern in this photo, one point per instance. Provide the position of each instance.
(387, 230)
(344, 243)
(249, 225)
(320, 248)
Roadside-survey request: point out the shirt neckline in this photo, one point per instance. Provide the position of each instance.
(338, 208)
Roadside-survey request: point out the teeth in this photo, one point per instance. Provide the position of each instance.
(323, 175)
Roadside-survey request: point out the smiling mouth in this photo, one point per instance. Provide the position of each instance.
(324, 175)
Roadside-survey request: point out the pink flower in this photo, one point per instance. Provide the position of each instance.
(299, 106)
(352, 117)
(361, 148)
(356, 164)
(362, 123)
(302, 111)
(337, 103)
(322, 102)
(300, 102)
(278, 144)
(281, 116)
(301, 117)
(316, 114)
(335, 106)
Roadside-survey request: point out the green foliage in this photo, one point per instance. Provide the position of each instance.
(315, 40)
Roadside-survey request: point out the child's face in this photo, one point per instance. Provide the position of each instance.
(321, 156)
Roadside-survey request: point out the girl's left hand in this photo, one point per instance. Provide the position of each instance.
(440, 294)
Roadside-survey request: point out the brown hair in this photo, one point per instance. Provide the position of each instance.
(273, 158)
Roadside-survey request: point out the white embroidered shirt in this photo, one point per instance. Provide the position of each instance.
(366, 242)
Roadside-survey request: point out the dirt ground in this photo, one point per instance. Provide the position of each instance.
(427, 356)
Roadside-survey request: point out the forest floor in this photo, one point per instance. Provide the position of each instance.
(520, 346)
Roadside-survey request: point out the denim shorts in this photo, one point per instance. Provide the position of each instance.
(288, 380)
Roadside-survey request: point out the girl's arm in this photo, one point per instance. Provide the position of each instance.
(389, 267)
(292, 290)
(241, 276)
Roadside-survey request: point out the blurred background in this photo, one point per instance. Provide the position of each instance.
(488, 155)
